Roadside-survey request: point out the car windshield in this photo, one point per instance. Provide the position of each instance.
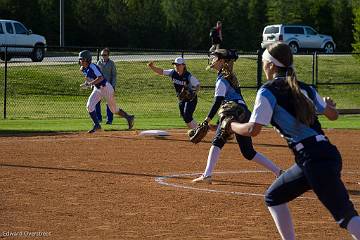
(270, 30)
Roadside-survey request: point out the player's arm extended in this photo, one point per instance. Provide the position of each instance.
(250, 129)
(215, 107)
(157, 70)
(330, 110)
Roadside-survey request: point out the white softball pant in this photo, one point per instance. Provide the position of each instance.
(97, 94)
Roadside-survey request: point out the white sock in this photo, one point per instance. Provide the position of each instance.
(213, 156)
(283, 221)
(192, 124)
(268, 164)
(354, 227)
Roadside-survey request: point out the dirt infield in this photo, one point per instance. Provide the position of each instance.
(117, 185)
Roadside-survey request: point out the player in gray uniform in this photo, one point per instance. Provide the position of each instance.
(184, 82)
(101, 89)
(291, 107)
(108, 68)
(227, 89)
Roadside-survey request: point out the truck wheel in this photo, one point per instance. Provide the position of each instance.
(329, 48)
(38, 54)
(294, 47)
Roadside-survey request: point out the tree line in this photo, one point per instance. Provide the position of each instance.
(185, 24)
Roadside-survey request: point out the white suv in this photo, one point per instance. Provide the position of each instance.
(15, 33)
(297, 37)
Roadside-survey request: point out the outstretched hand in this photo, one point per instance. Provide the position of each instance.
(150, 64)
(330, 102)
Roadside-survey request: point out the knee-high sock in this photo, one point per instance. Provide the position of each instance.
(109, 114)
(213, 156)
(354, 227)
(94, 118)
(283, 221)
(122, 113)
(98, 110)
(268, 164)
(192, 124)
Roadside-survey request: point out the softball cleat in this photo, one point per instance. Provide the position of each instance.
(95, 128)
(202, 179)
(130, 120)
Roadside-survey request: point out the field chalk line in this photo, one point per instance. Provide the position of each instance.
(162, 181)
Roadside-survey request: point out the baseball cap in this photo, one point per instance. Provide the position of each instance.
(179, 60)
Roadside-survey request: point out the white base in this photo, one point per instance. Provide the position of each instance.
(155, 133)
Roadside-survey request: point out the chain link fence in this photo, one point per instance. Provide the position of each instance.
(50, 89)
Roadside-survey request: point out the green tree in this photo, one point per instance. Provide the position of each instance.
(146, 24)
(342, 31)
(284, 11)
(257, 21)
(356, 44)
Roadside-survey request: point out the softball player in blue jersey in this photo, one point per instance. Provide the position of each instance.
(227, 89)
(101, 89)
(291, 107)
(183, 81)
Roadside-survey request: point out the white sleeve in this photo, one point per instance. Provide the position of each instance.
(220, 89)
(263, 110)
(167, 72)
(194, 82)
(319, 103)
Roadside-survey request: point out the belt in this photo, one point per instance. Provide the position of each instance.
(237, 101)
(100, 86)
(309, 141)
(241, 102)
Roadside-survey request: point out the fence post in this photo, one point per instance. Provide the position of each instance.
(97, 54)
(316, 70)
(5, 81)
(313, 69)
(259, 68)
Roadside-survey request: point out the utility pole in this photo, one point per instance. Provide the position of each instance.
(62, 23)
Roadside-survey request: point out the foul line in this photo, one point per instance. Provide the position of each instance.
(162, 181)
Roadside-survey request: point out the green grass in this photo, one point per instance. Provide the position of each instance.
(141, 123)
(48, 98)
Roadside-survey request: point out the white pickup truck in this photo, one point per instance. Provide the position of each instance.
(15, 33)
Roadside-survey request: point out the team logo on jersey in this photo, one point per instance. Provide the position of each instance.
(179, 82)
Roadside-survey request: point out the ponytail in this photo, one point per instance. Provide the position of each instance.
(229, 75)
(303, 106)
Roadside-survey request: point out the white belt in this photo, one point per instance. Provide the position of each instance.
(318, 138)
(241, 102)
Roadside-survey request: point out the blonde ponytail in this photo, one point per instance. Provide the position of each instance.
(227, 71)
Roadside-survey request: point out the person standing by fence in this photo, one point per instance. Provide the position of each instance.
(291, 106)
(216, 36)
(108, 68)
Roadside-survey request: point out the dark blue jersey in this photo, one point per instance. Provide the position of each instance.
(92, 72)
(273, 105)
(186, 79)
